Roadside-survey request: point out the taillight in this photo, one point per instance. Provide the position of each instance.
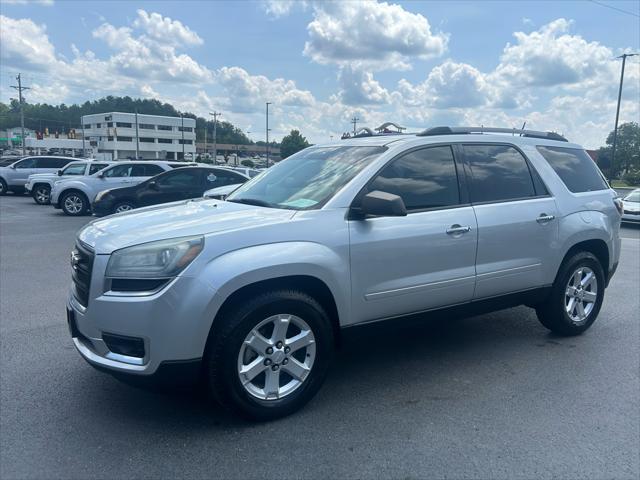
(618, 204)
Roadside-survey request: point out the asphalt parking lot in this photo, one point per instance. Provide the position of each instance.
(494, 396)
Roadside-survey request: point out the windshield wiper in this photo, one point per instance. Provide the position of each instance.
(252, 201)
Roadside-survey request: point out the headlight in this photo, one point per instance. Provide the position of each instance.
(162, 259)
(101, 195)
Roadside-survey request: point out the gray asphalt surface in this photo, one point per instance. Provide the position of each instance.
(494, 396)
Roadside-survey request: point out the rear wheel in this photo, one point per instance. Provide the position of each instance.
(42, 194)
(576, 296)
(123, 207)
(74, 204)
(271, 355)
(3, 187)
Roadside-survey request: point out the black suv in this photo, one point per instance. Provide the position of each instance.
(171, 186)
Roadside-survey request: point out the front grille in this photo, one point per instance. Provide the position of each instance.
(629, 212)
(81, 267)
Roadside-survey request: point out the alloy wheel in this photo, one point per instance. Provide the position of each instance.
(73, 204)
(581, 294)
(123, 208)
(42, 195)
(276, 357)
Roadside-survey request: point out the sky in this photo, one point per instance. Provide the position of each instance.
(421, 64)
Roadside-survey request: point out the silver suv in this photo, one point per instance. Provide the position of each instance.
(250, 294)
(39, 185)
(14, 176)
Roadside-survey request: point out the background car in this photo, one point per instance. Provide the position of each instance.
(74, 196)
(39, 185)
(166, 187)
(13, 177)
(249, 172)
(220, 193)
(631, 207)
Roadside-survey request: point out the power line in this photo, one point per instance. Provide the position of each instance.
(627, 12)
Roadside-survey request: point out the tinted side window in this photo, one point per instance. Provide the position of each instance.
(27, 163)
(151, 170)
(76, 169)
(60, 162)
(575, 167)
(180, 178)
(118, 171)
(51, 162)
(96, 167)
(498, 172)
(424, 179)
(220, 178)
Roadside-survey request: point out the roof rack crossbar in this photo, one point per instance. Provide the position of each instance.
(468, 130)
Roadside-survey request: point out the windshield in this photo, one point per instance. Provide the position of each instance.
(306, 180)
(633, 197)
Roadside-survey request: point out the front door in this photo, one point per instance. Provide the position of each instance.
(426, 260)
(517, 220)
(20, 174)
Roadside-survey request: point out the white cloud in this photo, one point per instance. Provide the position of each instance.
(380, 35)
(281, 8)
(248, 93)
(25, 44)
(47, 3)
(166, 29)
(358, 87)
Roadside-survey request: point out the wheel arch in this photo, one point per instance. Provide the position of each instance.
(311, 285)
(596, 246)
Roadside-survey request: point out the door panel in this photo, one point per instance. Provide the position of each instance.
(513, 245)
(401, 265)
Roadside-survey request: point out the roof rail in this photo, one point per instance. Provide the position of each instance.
(468, 130)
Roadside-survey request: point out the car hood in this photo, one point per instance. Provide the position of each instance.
(35, 176)
(178, 219)
(226, 190)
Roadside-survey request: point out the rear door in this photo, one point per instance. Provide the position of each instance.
(19, 175)
(179, 184)
(401, 265)
(516, 216)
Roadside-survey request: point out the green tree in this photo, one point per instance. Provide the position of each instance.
(627, 149)
(292, 143)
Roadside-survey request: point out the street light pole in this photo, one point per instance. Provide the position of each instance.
(138, 138)
(215, 116)
(84, 151)
(615, 129)
(182, 128)
(267, 146)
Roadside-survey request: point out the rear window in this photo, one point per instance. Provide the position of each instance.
(575, 168)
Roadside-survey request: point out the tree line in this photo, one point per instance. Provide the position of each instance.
(62, 118)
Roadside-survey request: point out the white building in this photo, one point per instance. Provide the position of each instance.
(114, 135)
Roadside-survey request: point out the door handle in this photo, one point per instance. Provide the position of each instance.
(456, 229)
(544, 218)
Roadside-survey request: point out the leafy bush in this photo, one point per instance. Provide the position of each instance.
(632, 178)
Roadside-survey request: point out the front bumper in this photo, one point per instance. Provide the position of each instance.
(173, 325)
(102, 208)
(629, 216)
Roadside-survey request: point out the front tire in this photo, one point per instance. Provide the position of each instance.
(74, 204)
(3, 187)
(271, 354)
(576, 296)
(123, 207)
(42, 194)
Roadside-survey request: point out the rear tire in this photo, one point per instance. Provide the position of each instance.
(576, 296)
(74, 204)
(253, 366)
(42, 194)
(3, 187)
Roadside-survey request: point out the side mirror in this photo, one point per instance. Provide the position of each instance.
(153, 185)
(382, 204)
(59, 173)
(101, 175)
(12, 166)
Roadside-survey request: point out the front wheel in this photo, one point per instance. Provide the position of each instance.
(271, 355)
(123, 207)
(576, 296)
(42, 194)
(74, 204)
(3, 187)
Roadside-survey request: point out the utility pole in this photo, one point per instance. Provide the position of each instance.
(615, 130)
(215, 116)
(84, 151)
(205, 139)
(182, 128)
(354, 120)
(267, 147)
(138, 138)
(20, 88)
